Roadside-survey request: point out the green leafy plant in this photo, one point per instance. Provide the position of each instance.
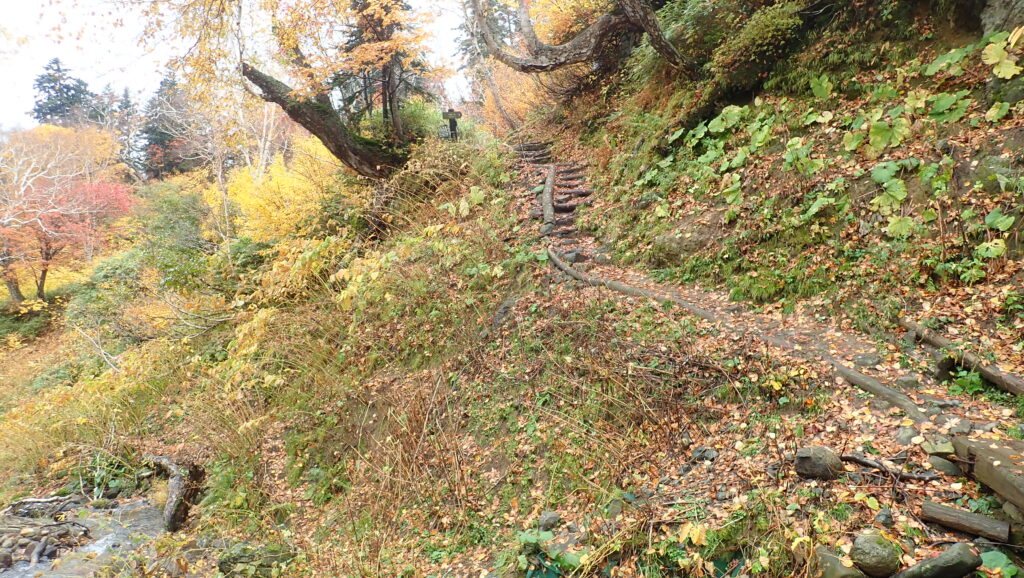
(1001, 55)
(821, 86)
(999, 563)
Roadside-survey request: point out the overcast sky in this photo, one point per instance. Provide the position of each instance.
(81, 34)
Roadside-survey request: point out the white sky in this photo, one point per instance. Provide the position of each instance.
(81, 34)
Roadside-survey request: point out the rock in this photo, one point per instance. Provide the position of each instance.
(867, 360)
(989, 427)
(957, 561)
(548, 520)
(28, 532)
(1013, 512)
(962, 428)
(673, 248)
(6, 560)
(884, 517)
(614, 508)
(990, 169)
(875, 555)
(907, 382)
(602, 259)
(938, 446)
(1002, 15)
(905, 434)
(9, 543)
(831, 566)
(573, 257)
(243, 559)
(703, 454)
(818, 462)
(945, 466)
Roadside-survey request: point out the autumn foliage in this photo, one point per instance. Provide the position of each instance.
(58, 187)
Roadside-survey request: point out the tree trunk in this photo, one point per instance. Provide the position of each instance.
(640, 13)
(11, 282)
(41, 281)
(584, 47)
(319, 118)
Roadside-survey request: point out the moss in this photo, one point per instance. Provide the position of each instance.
(767, 36)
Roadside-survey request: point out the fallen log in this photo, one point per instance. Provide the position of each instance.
(966, 359)
(855, 378)
(964, 521)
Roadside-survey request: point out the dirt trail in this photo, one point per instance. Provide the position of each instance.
(885, 369)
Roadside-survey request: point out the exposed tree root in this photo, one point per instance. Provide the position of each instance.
(991, 373)
(856, 378)
(899, 475)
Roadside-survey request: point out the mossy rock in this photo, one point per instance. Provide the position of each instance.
(245, 559)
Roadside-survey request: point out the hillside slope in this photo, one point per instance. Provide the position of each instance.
(439, 399)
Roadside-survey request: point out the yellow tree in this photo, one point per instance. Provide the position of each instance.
(314, 58)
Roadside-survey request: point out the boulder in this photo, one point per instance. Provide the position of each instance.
(875, 555)
(818, 462)
(1002, 15)
(938, 446)
(905, 434)
(957, 561)
(945, 466)
(828, 565)
(548, 520)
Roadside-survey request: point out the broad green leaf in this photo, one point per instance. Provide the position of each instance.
(997, 112)
(1006, 69)
(997, 220)
(929, 215)
(884, 172)
(819, 204)
(896, 188)
(942, 102)
(994, 54)
(880, 135)
(899, 227)
(991, 250)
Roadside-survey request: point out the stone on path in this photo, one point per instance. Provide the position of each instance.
(548, 520)
(831, 566)
(945, 466)
(958, 561)
(818, 462)
(875, 555)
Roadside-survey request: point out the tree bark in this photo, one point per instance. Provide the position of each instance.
(13, 289)
(319, 118)
(585, 46)
(641, 14)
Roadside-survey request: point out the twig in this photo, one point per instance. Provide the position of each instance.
(902, 476)
(107, 358)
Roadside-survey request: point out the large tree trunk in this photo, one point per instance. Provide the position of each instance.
(319, 118)
(584, 47)
(640, 13)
